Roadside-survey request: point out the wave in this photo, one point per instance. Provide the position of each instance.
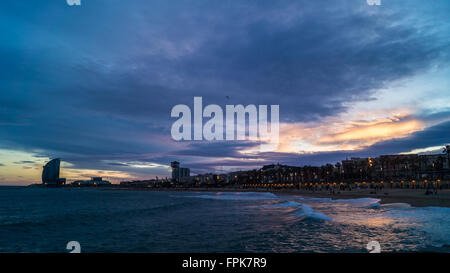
(396, 206)
(302, 210)
(315, 199)
(433, 221)
(308, 212)
(358, 202)
(362, 201)
(237, 196)
(354, 200)
(286, 204)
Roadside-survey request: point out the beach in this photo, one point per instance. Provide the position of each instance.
(414, 197)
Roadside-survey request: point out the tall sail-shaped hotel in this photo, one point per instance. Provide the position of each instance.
(50, 174)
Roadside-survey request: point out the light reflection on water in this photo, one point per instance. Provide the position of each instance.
(44, 220)
(355, 222)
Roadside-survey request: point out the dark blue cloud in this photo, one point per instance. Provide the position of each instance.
(97, 82)
(118, 164)
(216, 149)
(24, 162)
(438, 135)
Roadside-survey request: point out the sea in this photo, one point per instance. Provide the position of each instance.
(36, 219)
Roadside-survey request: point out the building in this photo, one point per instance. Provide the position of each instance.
(179, 174)
(95, 181)
(50, 173)
(397, 167)
(143, 183)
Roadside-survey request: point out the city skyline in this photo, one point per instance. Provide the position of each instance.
(96, 88)
(392, 168)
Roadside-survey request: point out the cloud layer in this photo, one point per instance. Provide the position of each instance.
(95, 84)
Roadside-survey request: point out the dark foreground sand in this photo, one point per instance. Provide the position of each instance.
(414, 197)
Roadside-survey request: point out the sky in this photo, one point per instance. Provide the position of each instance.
(94, 84)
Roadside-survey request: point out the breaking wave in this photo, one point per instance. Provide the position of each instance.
(237, 196)
(286, 204)
(308, 212)
(396, 206)
(355, 201)
(302, 210)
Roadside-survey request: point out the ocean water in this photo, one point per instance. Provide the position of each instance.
(45, 220)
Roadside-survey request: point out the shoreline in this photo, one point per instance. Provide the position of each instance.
(414, 197)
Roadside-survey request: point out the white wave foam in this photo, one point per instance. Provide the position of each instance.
(308, 212)
(238, 196)
(374, 206)
(286, 204)
(356, 202)
(315, 199)
(396, 206)
(362, 201)
(303, 210)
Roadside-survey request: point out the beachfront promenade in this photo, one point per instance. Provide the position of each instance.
(418, 193)
(393, 177)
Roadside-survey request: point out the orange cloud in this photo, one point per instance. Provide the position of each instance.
(351, 135)
(375, 132)
(85, 174)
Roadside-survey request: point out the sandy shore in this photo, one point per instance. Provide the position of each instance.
(414, 197)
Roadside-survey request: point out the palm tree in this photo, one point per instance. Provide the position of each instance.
(447, 151)
(338, 166)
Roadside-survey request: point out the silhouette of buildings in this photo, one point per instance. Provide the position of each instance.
(50, 173)
(95, 181)
(179, 174)
(400, 170)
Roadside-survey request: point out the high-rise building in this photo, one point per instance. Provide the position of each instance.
(179, 174)
(50, 173)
